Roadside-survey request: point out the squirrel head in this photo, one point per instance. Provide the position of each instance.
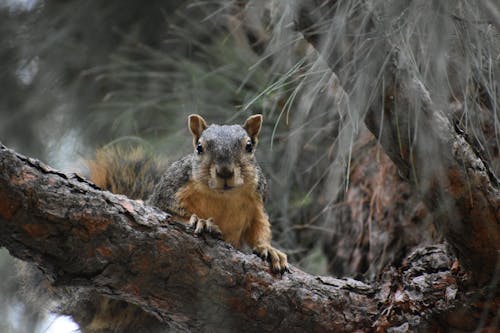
(224, 154)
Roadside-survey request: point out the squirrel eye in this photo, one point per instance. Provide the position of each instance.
(249, 146)
(199, 148)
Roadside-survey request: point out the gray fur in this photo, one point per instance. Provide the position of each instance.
(223, 146)
(262, 186)
(223, 142)
(177, 175)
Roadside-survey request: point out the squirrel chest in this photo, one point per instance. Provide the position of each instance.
(233, 211)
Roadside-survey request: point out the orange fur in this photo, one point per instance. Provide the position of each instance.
(125, 170)
(239, 213)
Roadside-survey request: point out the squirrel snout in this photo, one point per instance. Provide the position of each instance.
(224, 172)
(224, 176)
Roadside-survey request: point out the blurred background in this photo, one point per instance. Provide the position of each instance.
(77, 75)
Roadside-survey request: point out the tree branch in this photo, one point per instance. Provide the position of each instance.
(82, 236)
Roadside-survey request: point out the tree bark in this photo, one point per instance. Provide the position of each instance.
(79, 235)
(434, 155)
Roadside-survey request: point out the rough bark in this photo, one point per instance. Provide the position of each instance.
(382, 210)
(455, 183)
(81, 236)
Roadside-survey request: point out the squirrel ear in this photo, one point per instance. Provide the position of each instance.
(252, 125)
(196, 125)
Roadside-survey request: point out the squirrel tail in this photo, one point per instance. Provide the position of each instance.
(131, 171)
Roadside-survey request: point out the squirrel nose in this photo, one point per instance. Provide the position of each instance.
(224, 173)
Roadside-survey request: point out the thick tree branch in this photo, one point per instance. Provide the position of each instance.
(81, 236)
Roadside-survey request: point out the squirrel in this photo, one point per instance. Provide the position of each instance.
(219, 188)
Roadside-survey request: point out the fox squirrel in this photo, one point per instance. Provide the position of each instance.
(219, 188)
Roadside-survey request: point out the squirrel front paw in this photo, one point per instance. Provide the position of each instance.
(278, 260)
(202, 225)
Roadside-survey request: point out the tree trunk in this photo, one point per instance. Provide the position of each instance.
(455, 182)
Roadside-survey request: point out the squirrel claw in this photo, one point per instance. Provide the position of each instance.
(202, 225)
(261, 252)
(278, 259)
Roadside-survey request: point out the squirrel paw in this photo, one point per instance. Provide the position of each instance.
(278, 260)
(202, 225)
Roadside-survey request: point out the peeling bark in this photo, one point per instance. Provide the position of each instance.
(82, 236)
